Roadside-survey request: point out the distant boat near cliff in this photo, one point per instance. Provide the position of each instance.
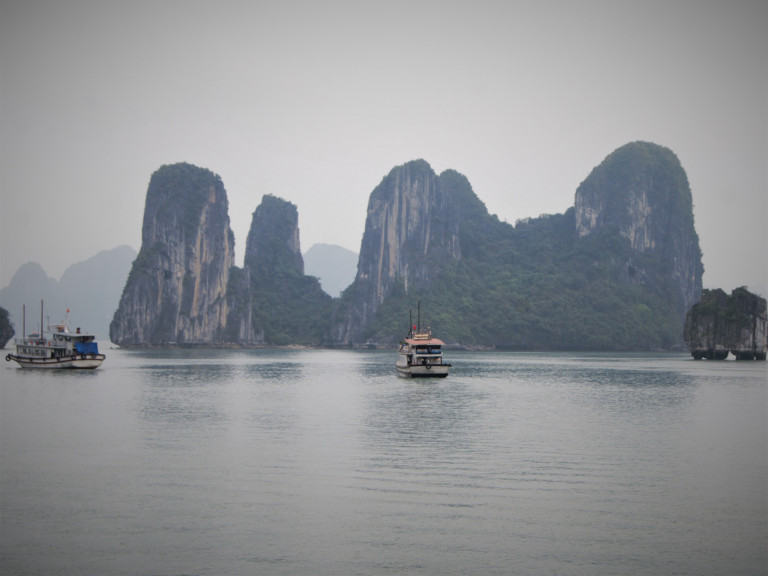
(56, 348)
(420, 355)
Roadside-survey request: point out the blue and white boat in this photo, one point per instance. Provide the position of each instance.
(57, 348)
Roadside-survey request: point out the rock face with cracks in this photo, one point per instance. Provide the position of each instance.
(411, 231)
(176, 290)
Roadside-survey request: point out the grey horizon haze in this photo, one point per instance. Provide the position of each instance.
(315, 102)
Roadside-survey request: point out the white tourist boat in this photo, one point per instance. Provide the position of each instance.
(421, 355)
(57, 348)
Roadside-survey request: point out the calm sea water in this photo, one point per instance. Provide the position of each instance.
(325, 463)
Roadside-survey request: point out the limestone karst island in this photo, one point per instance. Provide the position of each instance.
(618, 270)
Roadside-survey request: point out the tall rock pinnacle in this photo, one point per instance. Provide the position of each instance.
(273, 240)
(176, 291)
(281, 304)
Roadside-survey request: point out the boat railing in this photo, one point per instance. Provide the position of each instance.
(40, 342)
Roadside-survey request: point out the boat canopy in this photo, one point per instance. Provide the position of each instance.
(87, 347)
(422, 342)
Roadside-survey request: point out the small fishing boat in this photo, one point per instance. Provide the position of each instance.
(57, 348)
(420, 354)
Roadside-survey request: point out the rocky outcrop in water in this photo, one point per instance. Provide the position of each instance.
(176, 290)
(720, 324)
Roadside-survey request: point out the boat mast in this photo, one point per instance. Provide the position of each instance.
(41, 318)
(419, 323)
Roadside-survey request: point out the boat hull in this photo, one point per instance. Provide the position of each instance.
(419, 371)
(77, 362)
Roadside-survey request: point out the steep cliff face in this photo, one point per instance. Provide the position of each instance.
(239, 327)
(642, 191)
(411, 231)
(176, 290)
(720, 324)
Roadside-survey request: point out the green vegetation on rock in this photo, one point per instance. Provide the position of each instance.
(287, 306)
(543, 284)
(535, 288)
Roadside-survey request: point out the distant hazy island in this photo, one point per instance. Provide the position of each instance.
(618, 270)
(90, 289)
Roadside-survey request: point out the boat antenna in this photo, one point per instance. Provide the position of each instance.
(410, 321)
(419, 324)
(23, 321)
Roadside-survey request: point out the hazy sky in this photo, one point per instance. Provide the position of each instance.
(316, 101)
